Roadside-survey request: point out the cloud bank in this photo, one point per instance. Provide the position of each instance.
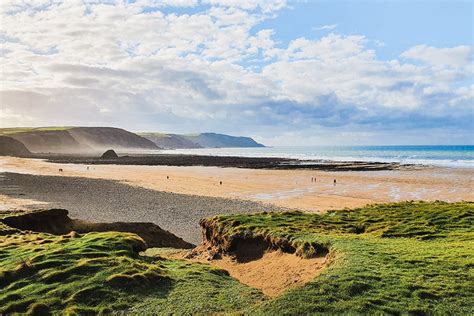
(191, 65)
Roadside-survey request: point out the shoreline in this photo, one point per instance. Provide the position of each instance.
(309, 190)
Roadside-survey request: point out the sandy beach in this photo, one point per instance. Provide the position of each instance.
(284, 188)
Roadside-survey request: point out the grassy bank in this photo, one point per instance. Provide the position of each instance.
(414, 258)
(98, 273)
(409, 258)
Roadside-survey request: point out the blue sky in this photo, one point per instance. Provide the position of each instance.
(302, 73)
(399, 25)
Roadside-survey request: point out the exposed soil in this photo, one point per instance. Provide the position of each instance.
(275, 271)
(272, 265)
(260, 265)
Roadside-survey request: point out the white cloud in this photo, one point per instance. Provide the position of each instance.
(459, 56)
(328, 27)
(134, 65)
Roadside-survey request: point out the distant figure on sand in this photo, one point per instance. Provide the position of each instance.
(87, 168)
(220, 182)
(334, 182)
(60, 170)
(167, 177)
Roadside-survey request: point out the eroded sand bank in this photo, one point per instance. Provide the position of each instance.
(286, 188)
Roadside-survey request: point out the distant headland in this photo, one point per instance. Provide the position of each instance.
(82, 140)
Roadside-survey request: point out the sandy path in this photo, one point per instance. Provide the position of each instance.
(287, 188)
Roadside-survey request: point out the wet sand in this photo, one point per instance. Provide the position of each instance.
(284, 188)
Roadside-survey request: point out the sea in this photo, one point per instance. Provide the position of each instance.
(459, 156)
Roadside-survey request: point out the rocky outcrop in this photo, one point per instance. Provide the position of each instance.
(109, 154)
(12, 147)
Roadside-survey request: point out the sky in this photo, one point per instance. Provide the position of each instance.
(283, 72)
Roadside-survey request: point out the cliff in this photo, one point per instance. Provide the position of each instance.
(77, 139)
(12, 147)
(213, 140)
(203, 140)
(171, 141)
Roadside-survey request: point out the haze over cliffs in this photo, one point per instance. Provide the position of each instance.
(173, 141)
(12, 147)
(95, 140)
(77, 139)
(203, 140)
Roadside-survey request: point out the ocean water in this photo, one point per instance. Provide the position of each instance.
(447, 156)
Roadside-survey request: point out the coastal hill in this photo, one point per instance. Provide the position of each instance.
(88, 140)
(170, 141)
(220, 140)
(202, 140)
(12, 147)
(76, 139)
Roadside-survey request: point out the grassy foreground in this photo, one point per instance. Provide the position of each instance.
(405, 258)
(408, 258)
(101, 273)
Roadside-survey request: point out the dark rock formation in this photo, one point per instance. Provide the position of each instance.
(109, 154)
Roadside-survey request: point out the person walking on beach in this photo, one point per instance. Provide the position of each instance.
(334, 182)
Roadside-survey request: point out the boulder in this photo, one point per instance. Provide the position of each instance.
(109, 154)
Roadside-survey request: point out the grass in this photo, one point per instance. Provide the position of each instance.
(405, 258)
(409, 258)
(98, 273)
(155, 134)
(15, 130)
